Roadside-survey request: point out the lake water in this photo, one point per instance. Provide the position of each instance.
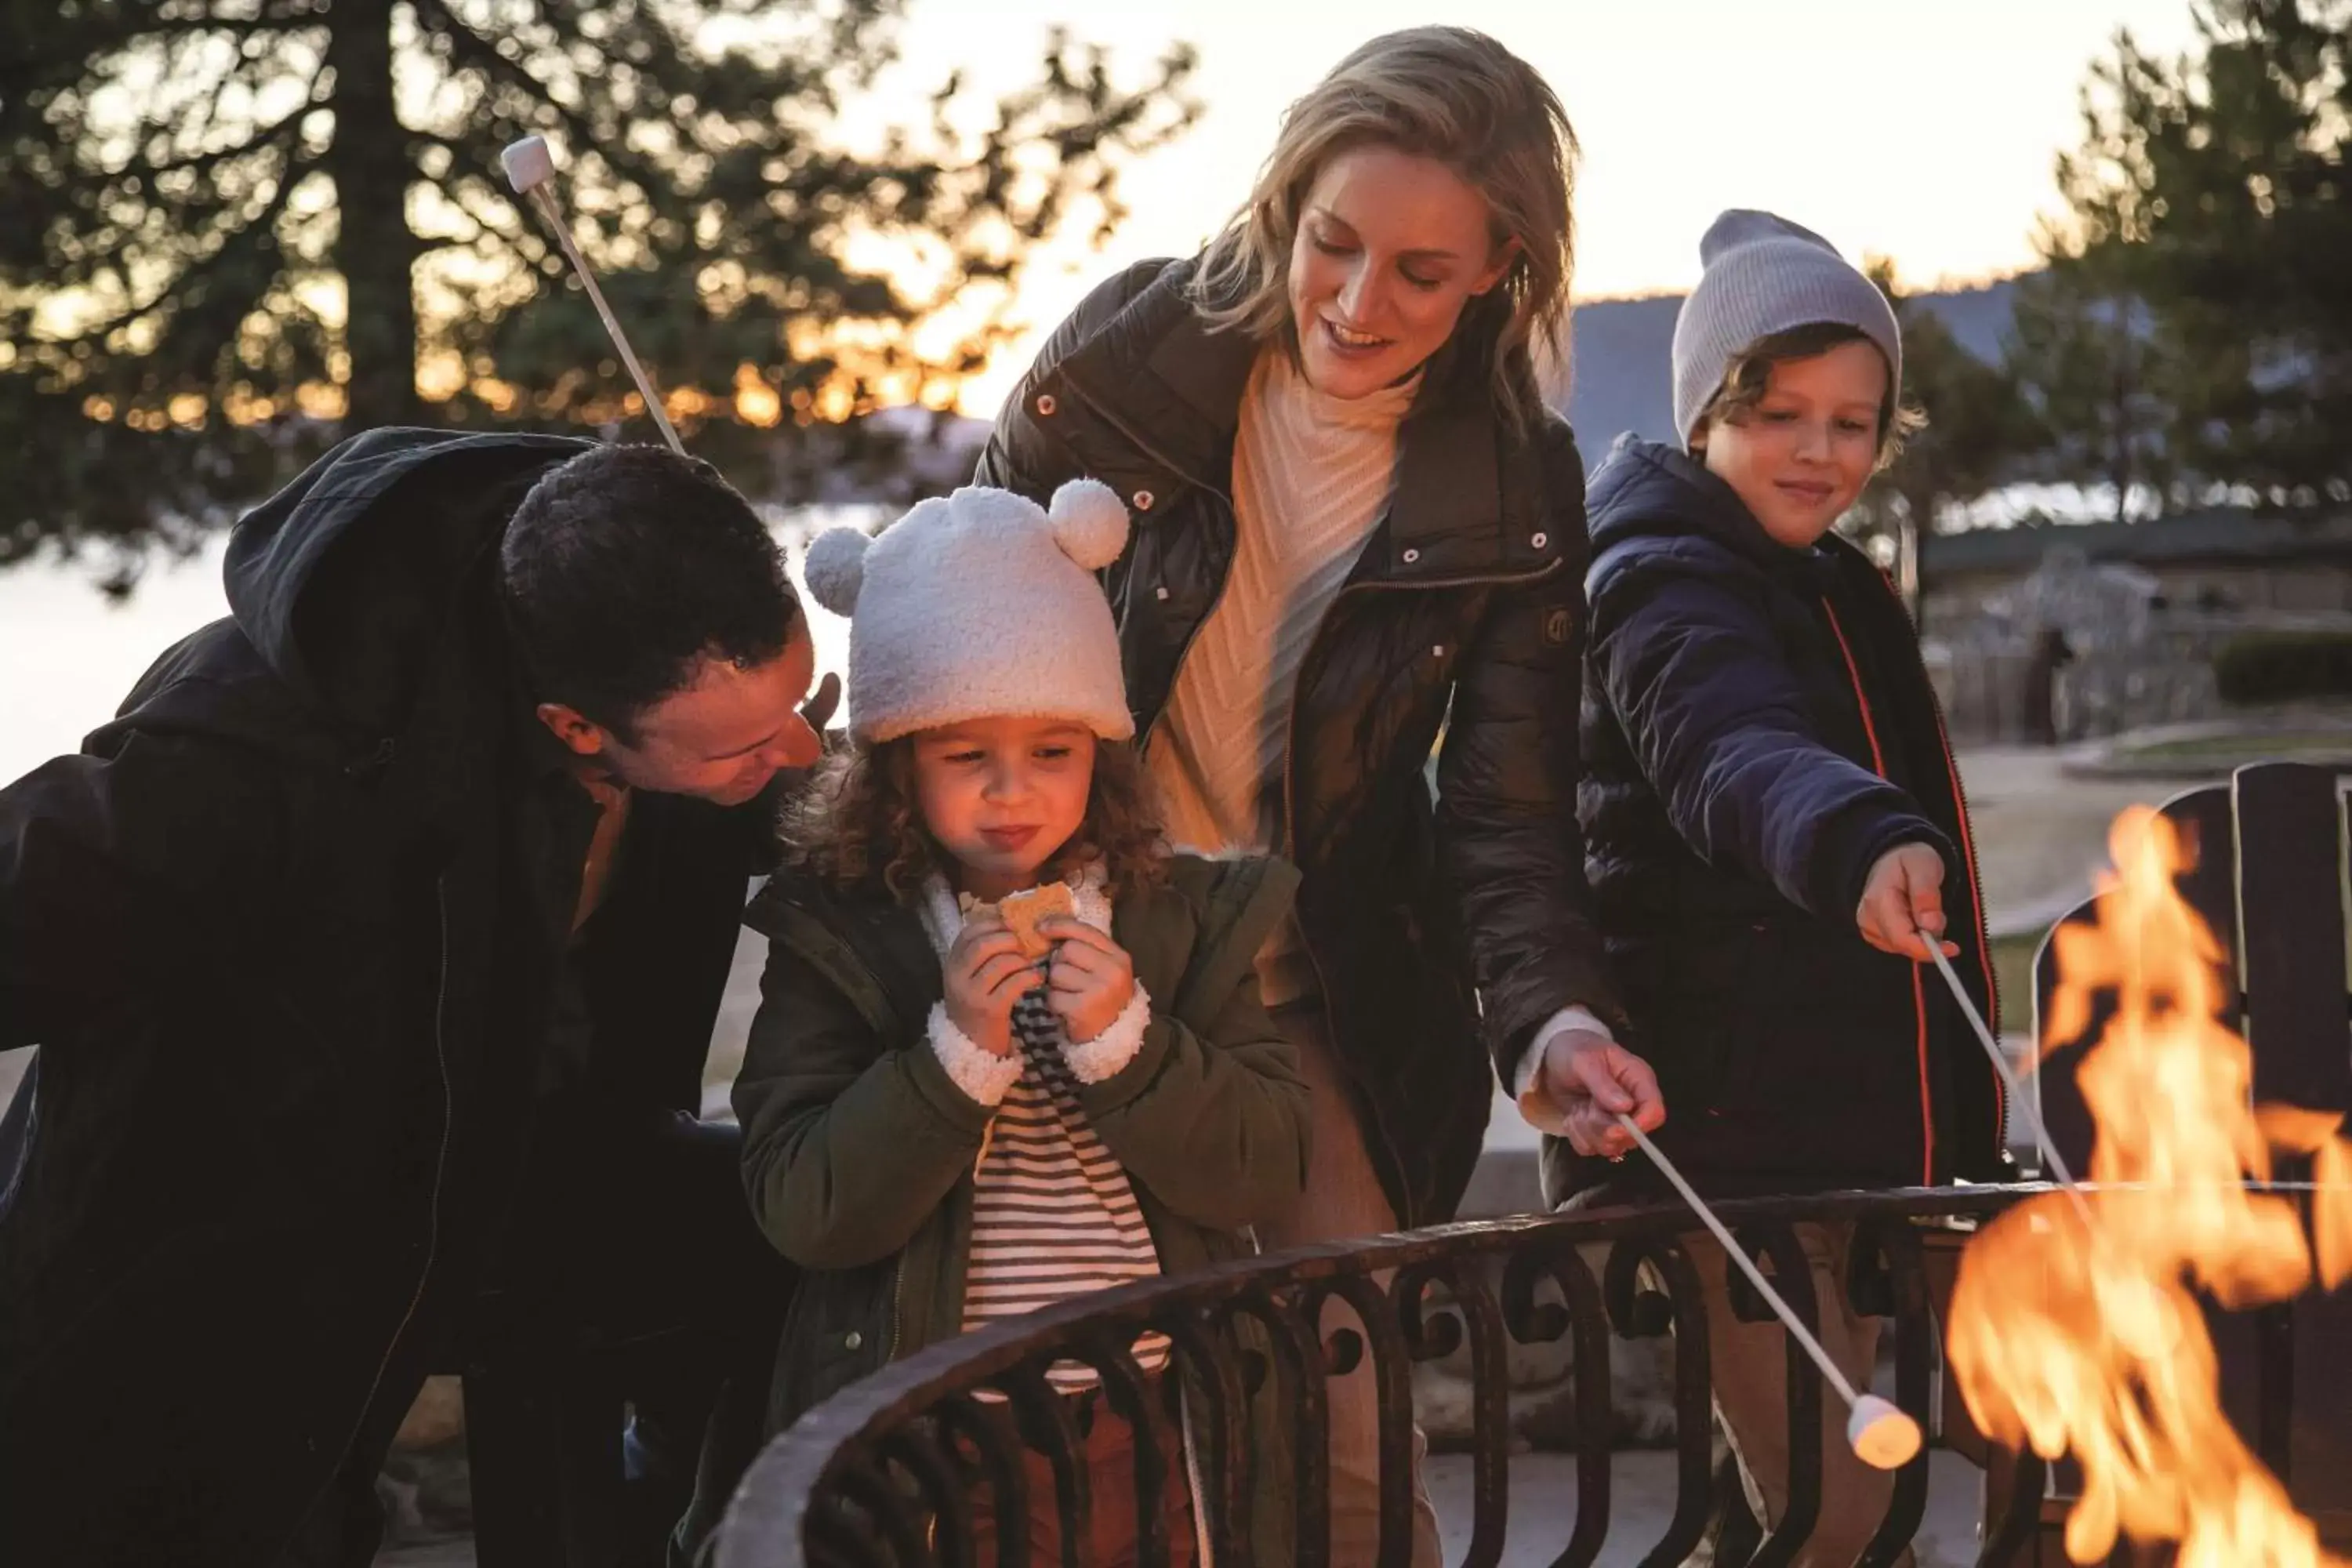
(68, 654)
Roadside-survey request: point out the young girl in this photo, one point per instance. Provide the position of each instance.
(1772, 819)
(939, 1127)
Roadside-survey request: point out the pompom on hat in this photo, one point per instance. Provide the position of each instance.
(980, 605)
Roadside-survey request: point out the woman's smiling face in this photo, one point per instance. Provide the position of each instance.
(1390, 249)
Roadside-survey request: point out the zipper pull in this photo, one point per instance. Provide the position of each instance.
(987, 1134)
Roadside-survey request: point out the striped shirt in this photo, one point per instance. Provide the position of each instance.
(1053, 1215)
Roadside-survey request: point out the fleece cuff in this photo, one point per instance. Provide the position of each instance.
(1092, 1062)
(982, 1074)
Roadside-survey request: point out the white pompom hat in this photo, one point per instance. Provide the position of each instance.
(980, 605)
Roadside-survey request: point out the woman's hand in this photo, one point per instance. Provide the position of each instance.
(986, 973)
(1593, 1081)
(1091, 980)
(1902, 904)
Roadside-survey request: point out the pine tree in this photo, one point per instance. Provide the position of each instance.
(2210, 213)
(2104, 386)
(1977, 431)
(217, 213)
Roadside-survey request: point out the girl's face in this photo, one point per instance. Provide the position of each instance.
(1800, 457)
(1390, 248)
(1000, 796)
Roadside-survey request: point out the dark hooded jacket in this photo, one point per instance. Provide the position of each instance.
(286, 933)
(1430, 921)
(1759, 730)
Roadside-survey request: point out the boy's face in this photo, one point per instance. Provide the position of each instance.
(722, 737)
(1801, 454)
(1001, 797)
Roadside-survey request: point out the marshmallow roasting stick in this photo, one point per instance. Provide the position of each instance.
(1878, 1432)
(531, 170)
(2052, 1159)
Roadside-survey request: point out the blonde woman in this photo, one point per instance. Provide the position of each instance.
(1359, 529)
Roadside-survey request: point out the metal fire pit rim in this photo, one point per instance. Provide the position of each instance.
(771, 1503)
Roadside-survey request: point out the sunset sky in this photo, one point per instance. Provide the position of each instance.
(1923, 130)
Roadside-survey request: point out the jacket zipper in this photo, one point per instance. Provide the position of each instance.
(440, 1167)
(1976, 882)
(1918, 982)
(898, 1312)
(1976, 892)
(1976, 902)
(1290, 768)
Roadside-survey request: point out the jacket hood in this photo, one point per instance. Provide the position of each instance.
(341, 579)
(1645, 489)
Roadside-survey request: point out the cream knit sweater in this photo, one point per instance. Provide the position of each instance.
(1311, 474)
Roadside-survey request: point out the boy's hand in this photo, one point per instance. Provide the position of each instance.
(1594, 1080)
(1903, 903)
(985, 973)
(1090, 981)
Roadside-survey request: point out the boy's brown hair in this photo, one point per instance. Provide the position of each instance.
(1750, 375)
(858, 824)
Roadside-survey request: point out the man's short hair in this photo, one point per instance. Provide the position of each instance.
(626, 565)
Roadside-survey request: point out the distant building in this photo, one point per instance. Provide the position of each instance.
(2220, 559)
(2060, 633)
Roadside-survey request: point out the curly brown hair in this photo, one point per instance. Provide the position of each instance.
(858, 825)
(1749, 376)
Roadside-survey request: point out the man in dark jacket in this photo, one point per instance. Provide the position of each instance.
(373, 953)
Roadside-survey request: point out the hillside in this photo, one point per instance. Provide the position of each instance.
(1620, 357)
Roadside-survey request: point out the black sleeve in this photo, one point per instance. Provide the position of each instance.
(1506, 797)
(136, 868)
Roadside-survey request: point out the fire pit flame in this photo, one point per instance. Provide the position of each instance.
(2093, 1344)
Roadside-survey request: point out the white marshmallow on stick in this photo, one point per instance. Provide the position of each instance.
(1878, 1432)
(531, 170)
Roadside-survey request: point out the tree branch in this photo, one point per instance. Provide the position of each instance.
(202, 267)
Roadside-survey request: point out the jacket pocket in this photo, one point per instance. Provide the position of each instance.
(1704, 1038)
(1827, 1037)
(835, 1332)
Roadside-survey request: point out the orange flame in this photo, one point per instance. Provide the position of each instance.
(2076, 1330)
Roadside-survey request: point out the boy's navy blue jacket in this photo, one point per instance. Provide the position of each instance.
(1758, 729)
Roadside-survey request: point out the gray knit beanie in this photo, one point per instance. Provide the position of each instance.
(1766, 275)
(980, 605)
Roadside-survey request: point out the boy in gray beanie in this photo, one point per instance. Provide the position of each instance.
(1762, 743)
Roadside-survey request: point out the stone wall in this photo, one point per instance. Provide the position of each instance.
(2127, 656)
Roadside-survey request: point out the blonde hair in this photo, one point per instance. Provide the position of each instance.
(1459, 98)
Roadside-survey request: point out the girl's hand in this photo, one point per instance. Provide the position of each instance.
(1902, 905)
(1091, 981)
(985, 974)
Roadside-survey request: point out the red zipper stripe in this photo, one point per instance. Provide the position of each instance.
(1976, 887)
(1976, 882)
(1918, 989)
